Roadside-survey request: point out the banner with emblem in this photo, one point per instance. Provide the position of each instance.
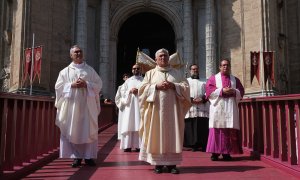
(268, 59)
(27, 64)
(255, 65)
(37, 62)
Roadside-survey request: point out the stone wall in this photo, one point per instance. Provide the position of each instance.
(241, 32)
(51, 21)
(251, 26)
(241, 26)
(293, 40)
(5, 42)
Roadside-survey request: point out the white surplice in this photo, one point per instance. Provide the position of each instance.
(224, 111)
(130, 120)
(197, 90)
(77, 111)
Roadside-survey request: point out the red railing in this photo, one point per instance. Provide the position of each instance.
(270, 127)
(28, 131)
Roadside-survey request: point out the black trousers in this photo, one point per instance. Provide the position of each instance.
(196, 132)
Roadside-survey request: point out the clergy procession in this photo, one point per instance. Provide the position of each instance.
(160, 113)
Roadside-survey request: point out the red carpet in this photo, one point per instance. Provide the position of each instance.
(114, 164)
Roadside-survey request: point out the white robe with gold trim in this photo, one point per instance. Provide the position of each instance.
(162, 117)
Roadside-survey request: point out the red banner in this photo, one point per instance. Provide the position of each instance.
(27, 63)
(255, 61)
(37, 62)
(268, 59)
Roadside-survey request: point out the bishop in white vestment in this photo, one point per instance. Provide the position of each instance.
(164, 100)
(77, 101)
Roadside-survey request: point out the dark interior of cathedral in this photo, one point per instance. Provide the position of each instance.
(146, 31)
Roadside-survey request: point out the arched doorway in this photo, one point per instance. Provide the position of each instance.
(144, 31)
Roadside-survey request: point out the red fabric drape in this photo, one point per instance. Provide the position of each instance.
(255, 67)
(268, 58)
(37, 62)
(27, 63)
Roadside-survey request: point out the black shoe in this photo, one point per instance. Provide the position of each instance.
(127, 150)
(76, 163)
(90, 162)
(214, 157)
(227, 157)
(137, 149)
(158, 169)
(173, 169)
(203, 149)
(195, 149)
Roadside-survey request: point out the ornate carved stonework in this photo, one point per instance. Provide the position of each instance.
(147, 2)
(116, 5)
(4, 78)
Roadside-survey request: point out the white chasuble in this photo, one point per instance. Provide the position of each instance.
(162, 116)
(78, 108)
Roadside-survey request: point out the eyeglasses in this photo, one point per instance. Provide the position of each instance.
(225, 65)
(79, 51)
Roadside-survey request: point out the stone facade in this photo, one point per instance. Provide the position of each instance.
(204, 30)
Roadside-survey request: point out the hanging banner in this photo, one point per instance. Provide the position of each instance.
(255, 61)
(27, 63)
(268, 59)
(37, 62)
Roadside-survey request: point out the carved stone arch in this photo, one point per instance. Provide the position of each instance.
(165, 10)
(124, 11)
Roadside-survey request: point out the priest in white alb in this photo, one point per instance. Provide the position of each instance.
(224, 92)
(130, 120)
(78, 106)
(164, 100)
(120, 93)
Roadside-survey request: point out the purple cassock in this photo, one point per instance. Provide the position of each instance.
(223, 140)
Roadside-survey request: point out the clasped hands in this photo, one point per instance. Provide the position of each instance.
(165, 85)
(79, 83)
(197, 100)
(134, 91)
(228, 90)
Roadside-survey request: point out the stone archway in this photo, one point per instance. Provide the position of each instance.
(144, 31)
(123, 12)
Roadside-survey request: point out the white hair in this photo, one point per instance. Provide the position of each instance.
(161, 50)
(74, 46)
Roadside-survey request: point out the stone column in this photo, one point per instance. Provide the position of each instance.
(210, 37)
(81, 25)
(104, 65)
(113, 65)
(188, 45)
